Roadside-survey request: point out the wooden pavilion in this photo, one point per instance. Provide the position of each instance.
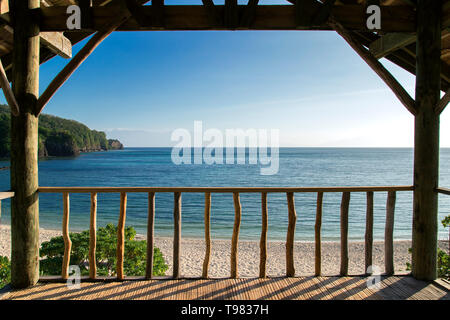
(414, 34)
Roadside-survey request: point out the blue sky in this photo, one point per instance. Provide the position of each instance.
(139, 87)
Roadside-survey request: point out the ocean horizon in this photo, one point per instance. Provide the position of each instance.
(298, 167)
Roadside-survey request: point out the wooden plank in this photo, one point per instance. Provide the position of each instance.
(24, 145)
(207, 234)
(303, 13)
(6, 195)
(57, 43)
(426, 141)
(318, 240)
(121, 236)
(79, 58)
(7, 91)
(389, 234)
(235, 236)
(66, 237)
(231, 14)
(249, 13)
(267, 17)
(443, 191)
(377, 67)
(369, 232)
(290, 266)
(93, 237)
(324, 12)
(223, 189)
(157, 14)
(263, 241)
(389, 43)
(177, 235)
(344, 233)
(150, 235)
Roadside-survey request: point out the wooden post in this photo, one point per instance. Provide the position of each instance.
(235, 237)
(426, 140)
(344, 233)
(66, 237)
(263, 241)
(24, 147)
(177, 235)
(290, 266)
(93, 237)
(121, 236)
(369, 231)
(150, 235)
(207, 234)
(318, 241)
(389, 234)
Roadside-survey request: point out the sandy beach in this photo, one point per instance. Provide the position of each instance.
(193, 250)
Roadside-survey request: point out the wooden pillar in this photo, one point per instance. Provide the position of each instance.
(24, 147)
(426, 141)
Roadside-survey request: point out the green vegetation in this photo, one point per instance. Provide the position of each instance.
(5, 271)
(58, 137)
(135, 254)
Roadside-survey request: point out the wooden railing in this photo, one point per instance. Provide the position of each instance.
(290, 237)
(4, 196)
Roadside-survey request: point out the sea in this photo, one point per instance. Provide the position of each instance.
(298, 167)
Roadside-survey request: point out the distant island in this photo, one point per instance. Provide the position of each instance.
(58, 137)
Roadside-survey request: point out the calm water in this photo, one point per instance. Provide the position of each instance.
(298, 167)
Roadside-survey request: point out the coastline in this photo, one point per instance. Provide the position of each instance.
(193, 250)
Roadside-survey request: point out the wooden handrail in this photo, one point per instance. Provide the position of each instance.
(6, 195)
(222, 189)
(290, 237)
(443, 191)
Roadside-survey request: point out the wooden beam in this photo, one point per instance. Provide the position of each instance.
(231, 14)
(207, 235)
(376, 66)
(290, 237)
(235, 237)
(426, 140)
(57, 43)
(267, 17)
(177, 235)
(157, 13)
(324, 12)
(263, 240)
(7, 91)
(302, 13)
(443, 102)
(345, 204)
(390, 43)
(150, 235)
(120, 253)
(76, 61)
(66, 237)
(24, 147)
(6, 195)
(248, 15)
(215, 18)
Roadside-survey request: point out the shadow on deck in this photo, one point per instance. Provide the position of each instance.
(304, 288)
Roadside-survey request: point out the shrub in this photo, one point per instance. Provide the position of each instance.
(5, 271)
(134, 260)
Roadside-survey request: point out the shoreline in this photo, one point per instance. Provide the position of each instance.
(193, 251)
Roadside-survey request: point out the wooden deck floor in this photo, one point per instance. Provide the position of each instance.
(355, 288)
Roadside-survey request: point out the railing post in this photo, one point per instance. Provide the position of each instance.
(150, 235)
(66, 237)
(263, 241)
(177, 235)
(369, 231)
(318, 241)
(93, 237)
(207, 234)
(389, 234)
(344, 233)
(235, 237)
(121, 235)
(290, 267)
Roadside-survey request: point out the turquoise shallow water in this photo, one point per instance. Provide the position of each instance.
(299, 167)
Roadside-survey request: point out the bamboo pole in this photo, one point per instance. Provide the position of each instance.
(66, 237)
(290, 267)
(121, 236)
(235, 237)
(93, 237)
(318, 241)
(263, 241)
(369, 231)
(389, 234)
(150, 235)
(344, 233)
(207, 234)
(177, 235)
